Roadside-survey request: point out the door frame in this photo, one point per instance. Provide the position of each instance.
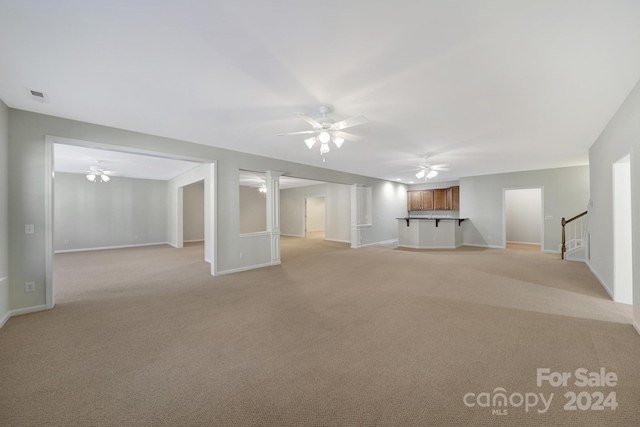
(504, 213)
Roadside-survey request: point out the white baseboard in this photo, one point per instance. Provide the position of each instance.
(112, 247)
(430, 247)
(383, 242)
(602, 283)
(193, 241)
(524, 243)
(338, 240)
(250, 267)
(4, 319)
(550, 251)
(20, 311)
(291, 235)
(483, 246)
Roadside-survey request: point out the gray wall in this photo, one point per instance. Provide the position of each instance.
(27, 133)
(619, 138)
(4, 211)
(524, 215)
(338, 210)
(193, 217)
(121, 212)
(253, 210)
(565, 194)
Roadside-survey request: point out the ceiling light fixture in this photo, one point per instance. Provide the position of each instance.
(98, 176)
(426, 173)
(263, 189)
(324, 137)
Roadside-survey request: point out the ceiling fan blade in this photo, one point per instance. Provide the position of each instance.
(313, 122)
(353, 121)
(347, 136)
(303, 132)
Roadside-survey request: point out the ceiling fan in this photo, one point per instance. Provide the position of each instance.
(428, 171)
(326, 129)
(97, 174)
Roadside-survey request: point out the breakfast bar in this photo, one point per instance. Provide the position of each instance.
(430, 232)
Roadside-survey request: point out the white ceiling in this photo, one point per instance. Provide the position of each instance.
(484, 86)
(74, 159)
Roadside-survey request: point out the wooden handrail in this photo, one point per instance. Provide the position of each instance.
(565, 222)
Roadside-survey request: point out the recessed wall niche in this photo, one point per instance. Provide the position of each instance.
(253, 202)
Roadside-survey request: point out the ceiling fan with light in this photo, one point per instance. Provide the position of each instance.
(97, 174)
(326, 129)
(428, 171)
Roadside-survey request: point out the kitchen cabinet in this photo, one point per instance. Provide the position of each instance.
(440, 199)
(453, 198)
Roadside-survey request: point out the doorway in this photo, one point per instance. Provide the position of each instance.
(622, 232)
(193, 213)
(315, 217)
(204, 170)
(523, 219)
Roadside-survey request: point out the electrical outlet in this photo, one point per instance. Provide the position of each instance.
(66, 242)
(29, 229)
(30, 287)
(241, 255)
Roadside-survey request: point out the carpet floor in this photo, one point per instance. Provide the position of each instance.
(332, 337)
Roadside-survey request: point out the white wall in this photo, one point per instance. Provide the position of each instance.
(621, 137)
(27, 156)
(4, 211)
(523, 210)
(565, 194)
(193, 212)
(338, 210)
(253, 210)
(316, 214)
(121, 212)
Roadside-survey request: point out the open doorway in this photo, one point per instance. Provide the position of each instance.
(315, 217)
(622, 232)
(193, 213)
(523, 219)
(125, 209)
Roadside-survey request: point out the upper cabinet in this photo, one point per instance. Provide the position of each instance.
(441, 199)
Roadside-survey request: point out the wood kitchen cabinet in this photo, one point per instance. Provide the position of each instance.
(427, 200)
(453, 198)
(440, 199)
(414, 200)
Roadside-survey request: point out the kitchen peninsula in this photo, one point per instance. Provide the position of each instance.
(425, 227)
(430, 232)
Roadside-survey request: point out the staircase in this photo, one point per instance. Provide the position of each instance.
(574, 232)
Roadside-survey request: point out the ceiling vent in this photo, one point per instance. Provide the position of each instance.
(39, 96)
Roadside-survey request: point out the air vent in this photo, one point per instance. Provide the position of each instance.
(39, 96)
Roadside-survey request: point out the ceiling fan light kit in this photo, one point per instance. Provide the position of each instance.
(94, 177)
(325, 130)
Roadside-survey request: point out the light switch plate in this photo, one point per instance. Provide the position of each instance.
(29, 229)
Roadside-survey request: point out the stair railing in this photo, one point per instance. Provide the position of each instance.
(575, 231)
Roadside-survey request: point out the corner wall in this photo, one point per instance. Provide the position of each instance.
(619, 138)
(4, 213)
(122, 212)
(337, 205)
(565, 193)
(27, 190)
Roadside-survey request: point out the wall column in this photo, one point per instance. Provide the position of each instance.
(355, 213)
(273, 213)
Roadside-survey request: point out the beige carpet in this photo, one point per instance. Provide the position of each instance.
(333, 336)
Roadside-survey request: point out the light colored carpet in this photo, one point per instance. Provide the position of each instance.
(333, 336)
